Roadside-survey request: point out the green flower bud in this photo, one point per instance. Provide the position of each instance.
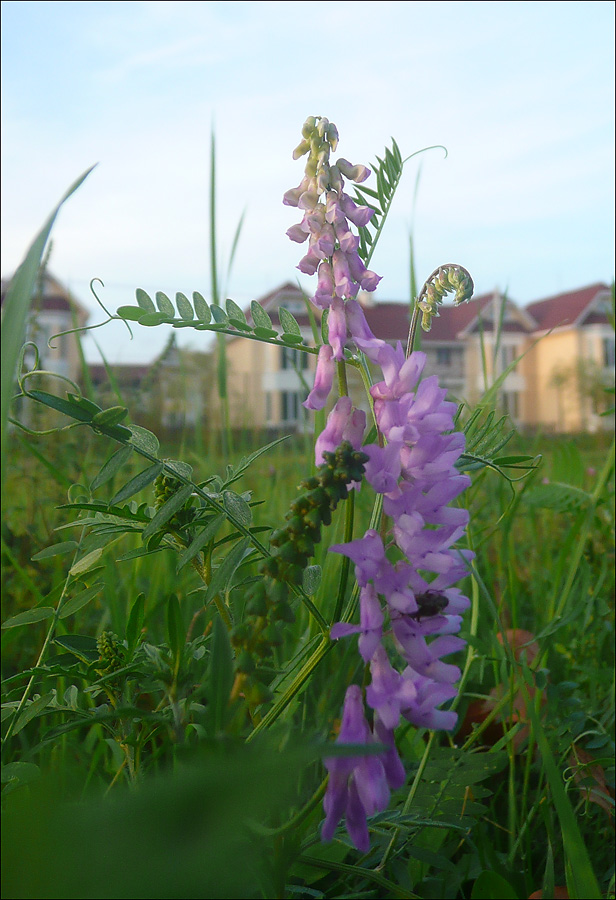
(301, 149)
(288, 552)
(245, 663)
(279, 537)
(240, 634)
(309, 126)
(284, 613)
(273, 634)
(296, 525)
(332, 135)
(111, 652)
(305, 546)
(257, 693)
(257, 605)
(277, 593)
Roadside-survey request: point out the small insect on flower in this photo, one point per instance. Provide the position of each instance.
(430, 603)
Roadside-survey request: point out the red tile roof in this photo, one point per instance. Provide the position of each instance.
(55, 296)
(567, 308)
(288, 288)
(390, 321)
(126, 375)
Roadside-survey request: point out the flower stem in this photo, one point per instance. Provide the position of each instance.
(413, 330)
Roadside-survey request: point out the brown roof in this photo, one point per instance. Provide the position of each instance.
(567, 308)
(55, 296)
(287, 288)
(125, 374)
(390, 320)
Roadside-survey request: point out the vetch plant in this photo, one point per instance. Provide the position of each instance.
(413, 467)
(286, 664)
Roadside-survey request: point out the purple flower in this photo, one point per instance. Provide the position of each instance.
(383, 467)
(298, 233)
(326, 289)
(345, 286)
(370, 628)
(358, 215)
(357, 785)
(323, 379)
(353, 173)
(392, 764)
(424, 658)
(422, 711)
(360, 330)
(400, 374)
(389, 692)
(337, 327)
(343, 424)
(368, 554)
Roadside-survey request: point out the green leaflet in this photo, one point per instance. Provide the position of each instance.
(138, 483)
(144, 300)
(168, 510)
(184, 308)
(29, 617)
(288, 322)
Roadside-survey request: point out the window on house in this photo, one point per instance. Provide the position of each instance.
(290, 406)
(295, 307)
(509, 352)
(443, 356)
(292, 358)
(268, 406)
(608, 352)
(511, 404)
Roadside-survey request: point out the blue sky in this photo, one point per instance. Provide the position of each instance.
(521, 94)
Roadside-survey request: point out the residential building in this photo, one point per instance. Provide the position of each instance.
(54, 310)
(170, 392)
(573, 361)
(266, 383)
(564, 346)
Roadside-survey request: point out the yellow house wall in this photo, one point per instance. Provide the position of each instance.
(245, 365)
(552, 405)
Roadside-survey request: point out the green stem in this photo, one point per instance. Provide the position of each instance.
(409, 800)
(343, 385)
(413, 330)
(295, 820)
(221, 343)
(43, 651)
(294, 688)
(219, 602)
(346, 562)
(582, 538)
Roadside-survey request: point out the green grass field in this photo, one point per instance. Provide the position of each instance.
(517, 799)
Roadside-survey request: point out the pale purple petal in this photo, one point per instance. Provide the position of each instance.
(337, 327)
(323, 379)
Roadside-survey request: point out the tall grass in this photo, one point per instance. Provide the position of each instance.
(136, 763)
